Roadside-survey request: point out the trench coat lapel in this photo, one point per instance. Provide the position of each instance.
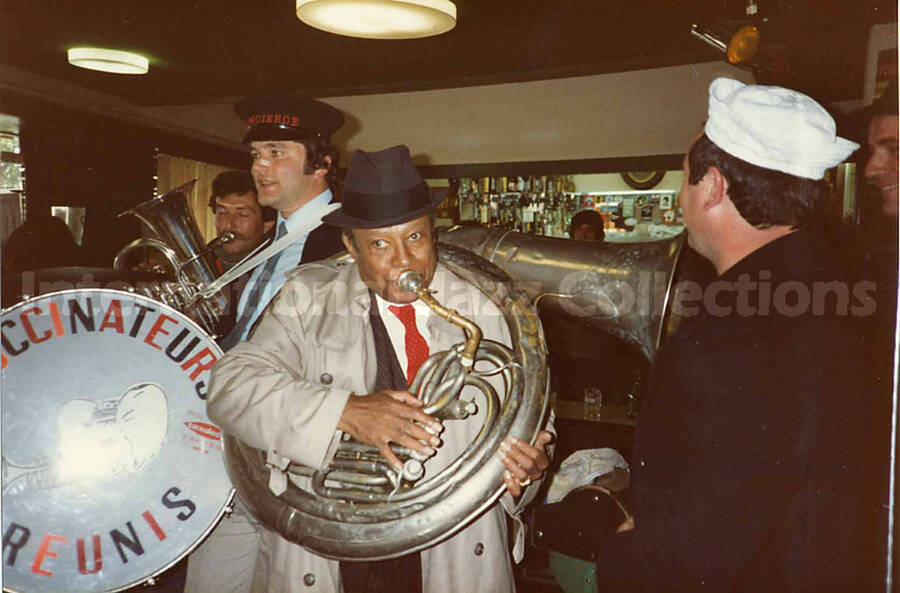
(343, 323)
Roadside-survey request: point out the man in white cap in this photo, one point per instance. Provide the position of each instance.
(746, 460)
(335, 354)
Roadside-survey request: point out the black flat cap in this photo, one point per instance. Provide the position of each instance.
(287, 116)
(382, 189)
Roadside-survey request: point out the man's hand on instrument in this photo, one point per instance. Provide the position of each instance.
(524, 463)
(386, 417)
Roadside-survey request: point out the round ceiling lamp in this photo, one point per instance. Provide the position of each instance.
(379, 19)
(743, 45)
(108, 60)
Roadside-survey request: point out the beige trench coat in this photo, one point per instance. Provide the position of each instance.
(283, 392)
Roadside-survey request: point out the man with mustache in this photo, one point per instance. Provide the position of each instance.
(236, 210)
(334, 355)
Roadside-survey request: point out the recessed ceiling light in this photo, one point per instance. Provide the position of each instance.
(379, 19)
(108, 60)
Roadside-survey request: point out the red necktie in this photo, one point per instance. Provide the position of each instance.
(416, 347)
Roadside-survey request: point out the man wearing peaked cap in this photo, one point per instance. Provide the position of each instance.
(295, 172)
(747, 462)
(288, 116)
(368, 336)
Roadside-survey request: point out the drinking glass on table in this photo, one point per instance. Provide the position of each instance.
(593, 400)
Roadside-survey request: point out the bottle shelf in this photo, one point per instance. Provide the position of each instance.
(545, 206)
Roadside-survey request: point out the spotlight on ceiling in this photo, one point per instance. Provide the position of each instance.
(108, 60)
(379, 19)
(738, 40)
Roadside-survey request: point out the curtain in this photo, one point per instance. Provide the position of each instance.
(172, 171)
(10, 215)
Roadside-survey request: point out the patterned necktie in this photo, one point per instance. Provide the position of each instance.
(416, 347)
(251, 305)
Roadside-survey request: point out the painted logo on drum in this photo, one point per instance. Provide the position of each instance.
(206, 430)
(111, 469)
(98, 439)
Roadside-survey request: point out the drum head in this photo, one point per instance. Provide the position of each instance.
(111, 470)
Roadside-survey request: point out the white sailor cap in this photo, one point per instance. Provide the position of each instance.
(774, 128)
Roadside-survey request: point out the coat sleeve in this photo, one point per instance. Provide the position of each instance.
(259, 394)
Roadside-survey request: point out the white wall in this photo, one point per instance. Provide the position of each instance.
(624, 114)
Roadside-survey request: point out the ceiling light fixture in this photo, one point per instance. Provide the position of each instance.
(108, 60)
(379, 19)
(739, 40)
(739, 44)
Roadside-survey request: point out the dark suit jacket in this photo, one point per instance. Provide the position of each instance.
(747, 465)
(322, 242)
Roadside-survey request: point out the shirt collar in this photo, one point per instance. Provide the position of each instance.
(300, 214)
(422, 310)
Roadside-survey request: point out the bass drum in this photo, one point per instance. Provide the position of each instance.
(112, 472)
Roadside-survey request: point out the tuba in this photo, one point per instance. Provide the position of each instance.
(359, 508)
(622, 289)
(180, 242)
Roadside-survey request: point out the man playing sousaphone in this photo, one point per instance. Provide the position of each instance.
(335, 354)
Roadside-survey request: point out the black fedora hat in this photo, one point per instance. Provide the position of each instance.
(382, 189)
(287, 116)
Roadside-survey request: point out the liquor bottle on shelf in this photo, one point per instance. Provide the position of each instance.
(484, 209)
(526, 216)
(467, 210)
(539, 217)
(494, 203)
(448, 209)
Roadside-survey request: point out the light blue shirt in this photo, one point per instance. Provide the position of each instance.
(286, 260)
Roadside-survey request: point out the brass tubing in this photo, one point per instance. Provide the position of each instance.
(411, 282)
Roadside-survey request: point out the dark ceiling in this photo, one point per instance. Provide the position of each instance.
(204, 50)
